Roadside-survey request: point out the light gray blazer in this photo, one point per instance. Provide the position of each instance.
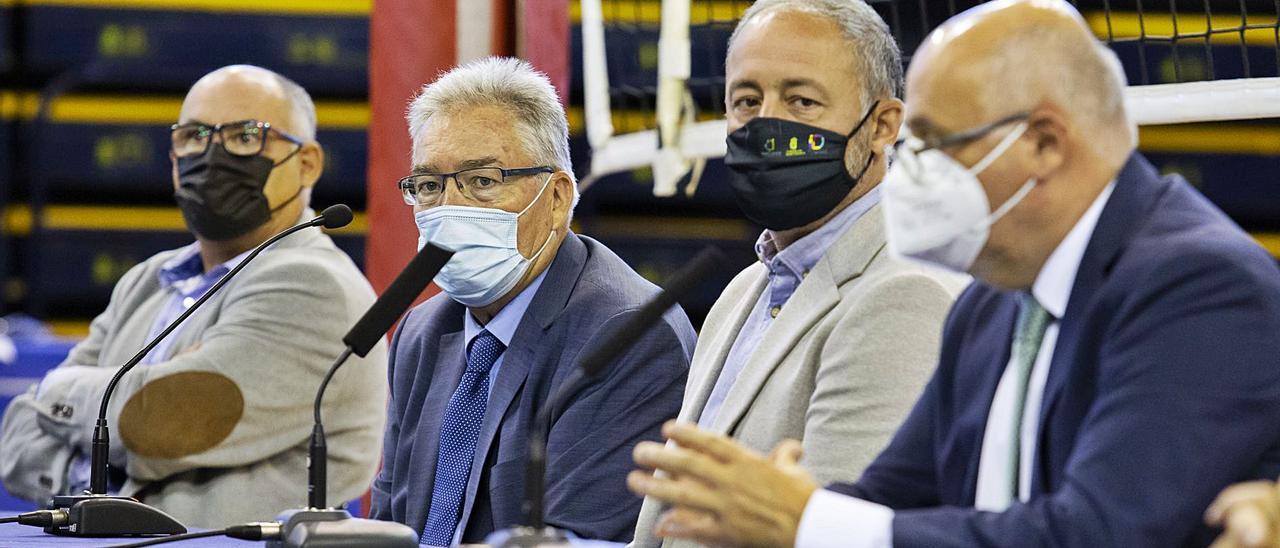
(217, 433)
(840, 367)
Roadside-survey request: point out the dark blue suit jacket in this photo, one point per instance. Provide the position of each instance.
(588, 293)
(1164, 388)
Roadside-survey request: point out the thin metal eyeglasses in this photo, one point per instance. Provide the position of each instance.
(240, 138)
(967, 136)
(480, 184)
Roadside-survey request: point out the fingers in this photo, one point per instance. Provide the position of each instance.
(684, 523)
(678, 492)
(679, 461)
(691, 437)
(1254, 492)
(1247, 525)
(787, 453)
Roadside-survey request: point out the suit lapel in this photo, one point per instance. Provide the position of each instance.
(450, 361)
(523, 355)
(708, 363)
(1137, 189)
(817, 294)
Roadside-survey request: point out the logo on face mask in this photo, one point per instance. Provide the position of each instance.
(770, 145)
(816, 142)
(793, 148)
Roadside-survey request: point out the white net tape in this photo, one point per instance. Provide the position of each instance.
(679, 141)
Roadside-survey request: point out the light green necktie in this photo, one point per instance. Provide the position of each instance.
(1033, 319)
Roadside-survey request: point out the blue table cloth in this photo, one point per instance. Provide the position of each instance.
(13, 535)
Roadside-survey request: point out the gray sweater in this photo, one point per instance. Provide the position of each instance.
(216, 433)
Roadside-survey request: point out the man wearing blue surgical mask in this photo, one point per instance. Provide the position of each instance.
(1113, 367)
(523, 299)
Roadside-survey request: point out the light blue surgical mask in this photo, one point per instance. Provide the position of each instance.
(486, 261)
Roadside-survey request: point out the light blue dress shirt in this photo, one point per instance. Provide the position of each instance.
(787, 269)
(185, 279)
(503, 325)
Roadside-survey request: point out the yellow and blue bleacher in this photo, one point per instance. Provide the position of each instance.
(85, 190)
(93, 196)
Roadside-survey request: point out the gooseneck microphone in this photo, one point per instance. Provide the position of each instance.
(362, 337)
(318, 524)
(97, 514)
(534, 532)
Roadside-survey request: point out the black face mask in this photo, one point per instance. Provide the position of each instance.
(788, 174)
(220, 194)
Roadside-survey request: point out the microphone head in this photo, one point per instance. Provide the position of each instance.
(336, 216)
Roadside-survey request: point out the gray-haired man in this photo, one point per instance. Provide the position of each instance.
(827, 339)
(524, 298)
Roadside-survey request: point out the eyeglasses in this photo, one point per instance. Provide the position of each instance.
(960, 138)
(242, 138)
(481, 185)
(908, 152)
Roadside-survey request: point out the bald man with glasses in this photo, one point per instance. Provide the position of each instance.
(212, 426)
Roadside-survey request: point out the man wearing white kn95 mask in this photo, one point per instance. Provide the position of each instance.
(523, 300)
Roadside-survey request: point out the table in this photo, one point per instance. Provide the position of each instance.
(13, 535)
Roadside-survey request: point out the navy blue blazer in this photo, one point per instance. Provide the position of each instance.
(588, 293)
(1164, 388)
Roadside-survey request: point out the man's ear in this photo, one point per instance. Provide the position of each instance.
(1048, 128)
(886, 122)
(311, 162)
(562, 190)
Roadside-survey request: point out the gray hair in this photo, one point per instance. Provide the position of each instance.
(507, 83)
(878, 58)
(303, 107)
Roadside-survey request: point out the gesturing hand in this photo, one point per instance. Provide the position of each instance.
(723, 493)
(1249, 513)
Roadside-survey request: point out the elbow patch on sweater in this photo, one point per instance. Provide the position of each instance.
(181, 415)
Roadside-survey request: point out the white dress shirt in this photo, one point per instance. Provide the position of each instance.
(832, 519)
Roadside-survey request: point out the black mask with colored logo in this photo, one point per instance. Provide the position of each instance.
(221, 194)
(787, 174)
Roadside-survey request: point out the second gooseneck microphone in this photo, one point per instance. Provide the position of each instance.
(97, 514)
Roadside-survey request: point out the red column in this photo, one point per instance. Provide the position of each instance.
(410, 43)
(544, 40)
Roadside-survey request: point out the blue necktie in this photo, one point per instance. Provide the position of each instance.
(458, 432)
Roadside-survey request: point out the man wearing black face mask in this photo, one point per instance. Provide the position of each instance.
(211, 426)
(827, 339)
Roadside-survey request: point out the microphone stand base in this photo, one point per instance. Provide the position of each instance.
(527, 537)
(111, 516)
(317, 528)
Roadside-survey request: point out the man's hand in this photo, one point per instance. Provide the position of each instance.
(722, 493)
(1249, 513)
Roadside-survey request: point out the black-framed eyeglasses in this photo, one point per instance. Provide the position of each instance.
(480, 184)
(241, 138)
(963, 137)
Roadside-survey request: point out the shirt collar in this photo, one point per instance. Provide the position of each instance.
(504, 324)
(801, 255)
(187, 264)
(1052, 287)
